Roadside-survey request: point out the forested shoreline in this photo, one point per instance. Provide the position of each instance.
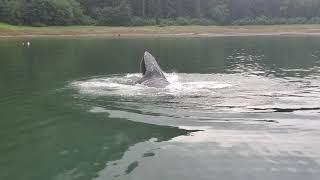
(159, 12)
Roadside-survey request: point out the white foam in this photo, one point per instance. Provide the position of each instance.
(123, 85)
(133, 75)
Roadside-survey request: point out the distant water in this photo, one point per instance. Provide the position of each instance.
(236, 108)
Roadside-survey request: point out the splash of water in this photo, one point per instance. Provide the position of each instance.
(123, 85)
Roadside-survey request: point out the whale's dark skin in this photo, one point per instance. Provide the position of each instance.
(152, 73)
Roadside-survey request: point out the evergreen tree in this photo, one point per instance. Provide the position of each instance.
(124, 12)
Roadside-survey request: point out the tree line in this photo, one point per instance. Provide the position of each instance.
(159, 12)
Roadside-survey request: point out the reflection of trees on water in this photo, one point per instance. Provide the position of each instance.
(77, 145)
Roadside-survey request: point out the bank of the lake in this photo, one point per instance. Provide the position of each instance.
(7, 31)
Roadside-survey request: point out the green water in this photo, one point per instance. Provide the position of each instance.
(237, 108)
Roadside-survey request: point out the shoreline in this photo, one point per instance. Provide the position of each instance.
(9, 31)
(160, 35)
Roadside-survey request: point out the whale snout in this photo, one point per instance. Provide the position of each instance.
(147, 55)
(151, 71)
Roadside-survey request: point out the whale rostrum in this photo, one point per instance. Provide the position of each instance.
(152, 73)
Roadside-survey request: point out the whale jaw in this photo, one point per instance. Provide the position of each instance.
(152, 73)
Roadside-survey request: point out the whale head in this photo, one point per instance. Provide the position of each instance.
(149, 66)
(151, 71)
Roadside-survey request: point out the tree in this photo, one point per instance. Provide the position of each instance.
(219, 11)
(121, 12)
(119, 15)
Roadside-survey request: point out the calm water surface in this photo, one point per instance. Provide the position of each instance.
(237, 108)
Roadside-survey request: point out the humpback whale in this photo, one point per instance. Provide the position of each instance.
(152, 73)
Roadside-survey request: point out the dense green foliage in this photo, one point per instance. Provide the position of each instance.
(161, 12)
